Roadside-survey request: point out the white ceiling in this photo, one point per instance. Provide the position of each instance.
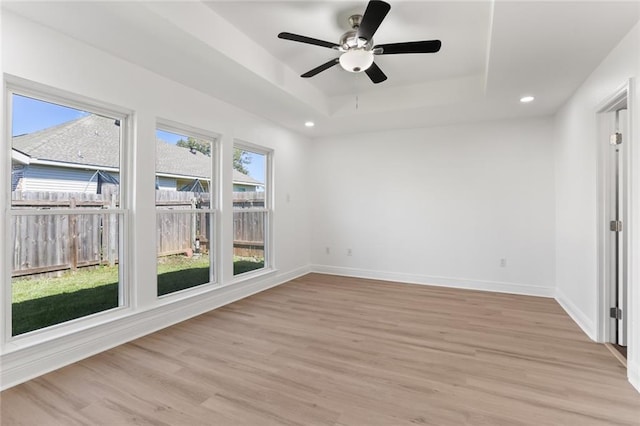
(463, 27)
(492, 54)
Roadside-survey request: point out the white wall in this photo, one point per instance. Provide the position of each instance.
(37, 54)
(439, 206)
(576, 195)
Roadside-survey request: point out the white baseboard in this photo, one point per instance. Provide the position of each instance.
(579, 317)
(35, 360)
(463, 283)
(633, 374)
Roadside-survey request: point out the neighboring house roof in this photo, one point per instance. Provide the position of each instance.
(242, 179)
(93, 141)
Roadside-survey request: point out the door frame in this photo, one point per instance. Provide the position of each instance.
(622, 96)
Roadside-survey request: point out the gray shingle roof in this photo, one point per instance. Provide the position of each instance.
(91, 140)
(94, 141)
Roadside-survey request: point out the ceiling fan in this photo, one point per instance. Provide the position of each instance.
(357, 45)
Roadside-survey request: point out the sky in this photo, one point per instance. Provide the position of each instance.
(30, 115)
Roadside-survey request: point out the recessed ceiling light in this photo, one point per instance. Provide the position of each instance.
(526, 99)
(309, 124)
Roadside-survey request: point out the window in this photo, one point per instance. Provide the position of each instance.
(251, 209)
(185, 205)
(66, 222)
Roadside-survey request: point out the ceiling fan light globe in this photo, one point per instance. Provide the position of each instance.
(356, 60)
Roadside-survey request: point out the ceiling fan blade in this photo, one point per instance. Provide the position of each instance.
(372, 18)
(375, 74)
(321, 68)
(429, 46)
(307, 40)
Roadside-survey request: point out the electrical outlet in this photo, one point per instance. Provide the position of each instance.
(503, 263)
(349, 252)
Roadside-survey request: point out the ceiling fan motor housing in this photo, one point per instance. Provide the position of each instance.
(350, 40)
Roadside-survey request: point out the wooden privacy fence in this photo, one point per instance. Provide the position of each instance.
(248, 226)
(179, 232)
(57, 242)
(248, 239)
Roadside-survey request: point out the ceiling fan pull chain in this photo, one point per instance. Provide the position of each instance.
(356, 102)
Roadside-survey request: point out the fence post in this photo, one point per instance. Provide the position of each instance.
(73, 233)
(113, 232)
(193, 223)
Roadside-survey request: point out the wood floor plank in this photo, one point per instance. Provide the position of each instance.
(336, 351)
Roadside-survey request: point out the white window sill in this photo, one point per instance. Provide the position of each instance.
(253, 275)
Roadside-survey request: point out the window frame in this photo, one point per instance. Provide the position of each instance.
(268, 210)
(21, 87)
(213, 211)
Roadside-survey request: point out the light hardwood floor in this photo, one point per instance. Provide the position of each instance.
(326, 350)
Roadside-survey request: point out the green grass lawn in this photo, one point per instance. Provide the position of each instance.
(177, 273)
(243, 264)
(42, 302)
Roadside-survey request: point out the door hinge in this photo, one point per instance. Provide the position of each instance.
(615, 225)
(615, 313)
(615, 138)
